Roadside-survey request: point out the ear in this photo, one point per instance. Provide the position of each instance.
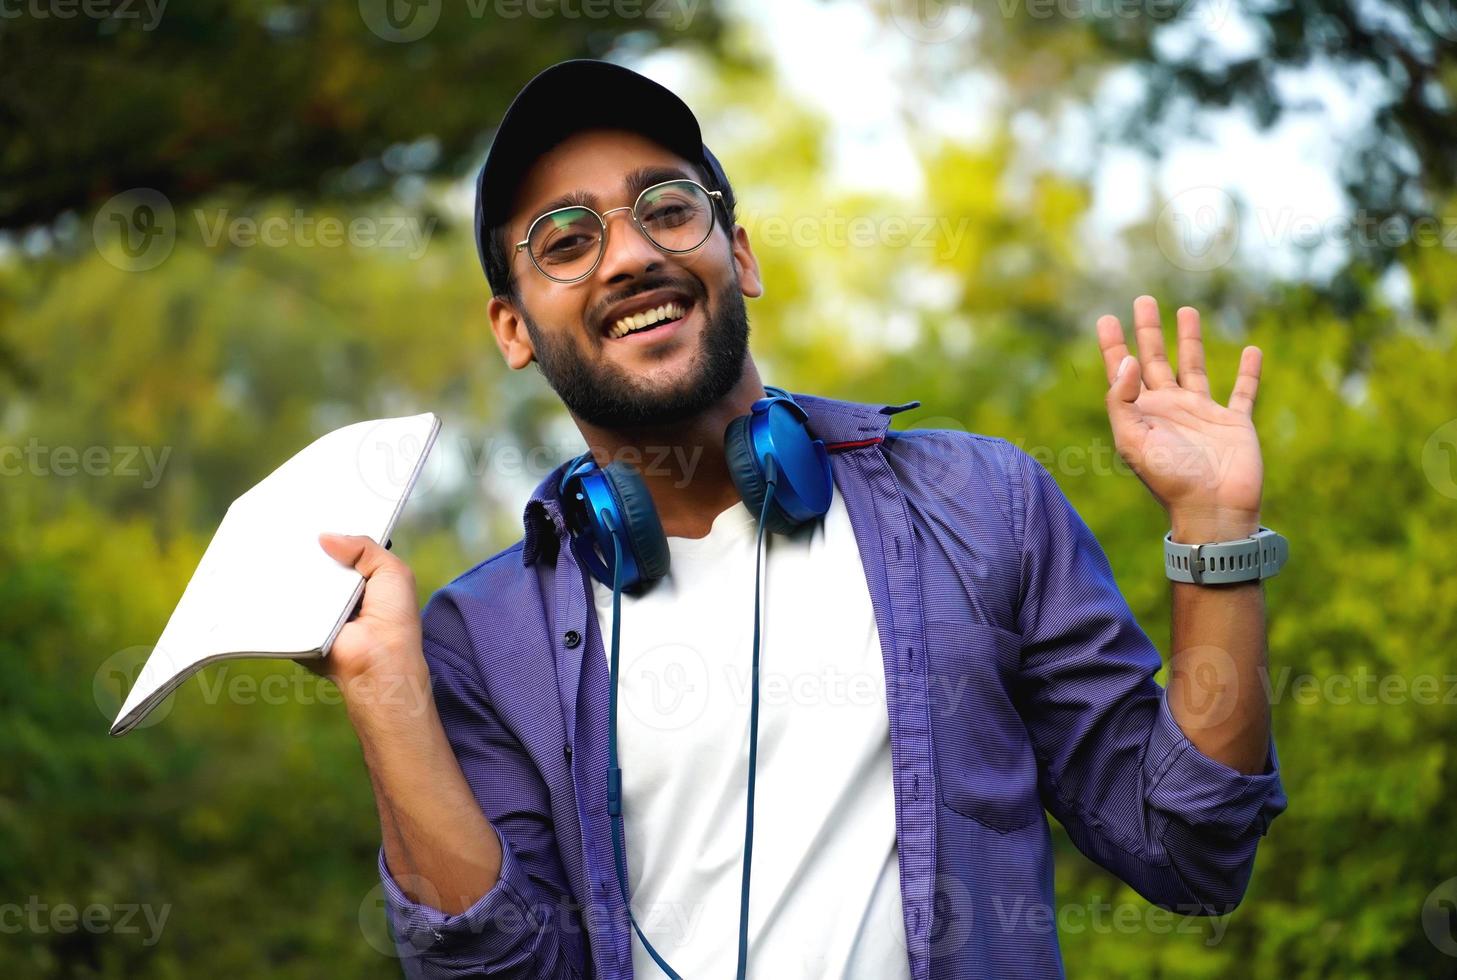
(511, 335)
(746, 264)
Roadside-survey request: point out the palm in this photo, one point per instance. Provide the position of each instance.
(1192, 453)
(387, 613)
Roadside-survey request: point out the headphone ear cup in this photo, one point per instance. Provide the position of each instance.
(644, 530)
(739, 455)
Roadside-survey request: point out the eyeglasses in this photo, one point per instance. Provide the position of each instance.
(566, 244)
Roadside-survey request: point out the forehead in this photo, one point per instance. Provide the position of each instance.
(596, 163)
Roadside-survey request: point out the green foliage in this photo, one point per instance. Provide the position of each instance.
(1360, 622)
(1356, 403)
(245, 812)
(316, 98)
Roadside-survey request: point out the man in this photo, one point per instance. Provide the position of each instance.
(951, 654)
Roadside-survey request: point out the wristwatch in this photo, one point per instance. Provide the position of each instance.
(1259, 556)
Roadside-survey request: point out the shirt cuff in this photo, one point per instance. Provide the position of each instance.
(1203, 792)
(501, 928)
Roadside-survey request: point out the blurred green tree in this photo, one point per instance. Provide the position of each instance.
(245, 812)
(315, 99)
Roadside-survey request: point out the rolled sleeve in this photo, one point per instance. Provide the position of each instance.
(1135, 794)
(527, 926)
(1203, 792)
(502, 934)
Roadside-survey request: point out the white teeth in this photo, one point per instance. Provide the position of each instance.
(624, 326)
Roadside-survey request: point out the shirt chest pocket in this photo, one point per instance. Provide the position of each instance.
(984, 764)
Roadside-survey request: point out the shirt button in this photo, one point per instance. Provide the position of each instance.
(572, 638)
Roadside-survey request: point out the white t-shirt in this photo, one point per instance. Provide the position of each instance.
(825, 900)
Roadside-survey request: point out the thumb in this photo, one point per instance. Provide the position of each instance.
(1123, 413)
(1126, 383)
(359, 551)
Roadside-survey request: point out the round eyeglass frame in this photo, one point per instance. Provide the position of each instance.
(632, 212)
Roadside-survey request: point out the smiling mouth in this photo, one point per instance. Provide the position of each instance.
(646, 320)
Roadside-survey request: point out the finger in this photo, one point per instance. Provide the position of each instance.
(359, 551)
(1247, 382)
(1110, 342)
(1150, 336)
(1192, 375)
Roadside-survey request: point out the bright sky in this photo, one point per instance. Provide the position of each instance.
(841, 59)
(853, 67)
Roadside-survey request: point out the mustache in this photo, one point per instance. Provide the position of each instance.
(688, 285)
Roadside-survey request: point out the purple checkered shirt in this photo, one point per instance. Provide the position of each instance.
(1017, 680)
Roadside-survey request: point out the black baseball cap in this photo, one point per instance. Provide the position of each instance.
(571, 96)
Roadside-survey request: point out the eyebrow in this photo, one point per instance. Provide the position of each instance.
(644, 177)
(634, 183)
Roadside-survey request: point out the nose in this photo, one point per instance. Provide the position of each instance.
(628, 254)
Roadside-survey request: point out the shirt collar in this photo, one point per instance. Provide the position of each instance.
(841, 424)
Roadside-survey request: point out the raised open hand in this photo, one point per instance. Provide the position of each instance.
(1200, 459)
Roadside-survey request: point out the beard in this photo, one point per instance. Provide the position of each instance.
(609, 397)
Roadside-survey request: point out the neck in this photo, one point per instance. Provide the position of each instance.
(682, 464)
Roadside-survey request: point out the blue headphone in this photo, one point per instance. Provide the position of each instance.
(782, 473)
(598, 502)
